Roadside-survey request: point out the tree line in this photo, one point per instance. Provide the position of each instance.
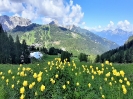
(123, 54)
(12, 51)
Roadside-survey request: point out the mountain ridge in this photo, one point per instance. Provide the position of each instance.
(118, 35)
(9, 23)
(63, 38)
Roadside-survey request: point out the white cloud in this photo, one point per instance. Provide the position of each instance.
(86, 27)
(124, 25)
(47, 20)
(60, 10)
(16, 15)
(83, 23)
(29, 12)
(8, 6)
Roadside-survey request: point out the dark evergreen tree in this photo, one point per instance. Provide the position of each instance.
(83, 57)
(10, 52)
(65, 56)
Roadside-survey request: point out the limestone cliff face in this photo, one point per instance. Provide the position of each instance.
(9, 23)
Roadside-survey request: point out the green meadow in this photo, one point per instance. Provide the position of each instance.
(52, 79)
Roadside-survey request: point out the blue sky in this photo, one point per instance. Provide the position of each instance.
(95, 15)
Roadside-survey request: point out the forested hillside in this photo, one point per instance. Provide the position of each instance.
(123, 54)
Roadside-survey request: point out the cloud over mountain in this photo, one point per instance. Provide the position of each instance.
(60, 10)
(123, 25)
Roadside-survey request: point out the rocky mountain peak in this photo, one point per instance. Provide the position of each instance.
(55, 22)
(9, 23)
(70, 27)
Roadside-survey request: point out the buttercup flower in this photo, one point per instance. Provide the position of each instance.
(64, 86)
(22, 90)
(42, 88)
(25, 83)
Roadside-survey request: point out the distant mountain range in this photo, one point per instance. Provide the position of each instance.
(118, 35)
(70, 38)
(11, 22)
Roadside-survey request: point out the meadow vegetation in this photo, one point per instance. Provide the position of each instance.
(53, 79)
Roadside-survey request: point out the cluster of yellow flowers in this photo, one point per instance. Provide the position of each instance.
(110, 76)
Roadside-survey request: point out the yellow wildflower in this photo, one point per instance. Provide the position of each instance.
(13, 77)
(108, 74)
(22, 73)
(125, 79)
(77, 83)
(105, 79)
(3, 77)
(107, 62)
(112, 78)
(120, 81)
(22, 96)
(42, 88)
(68, 82)
(9, 71)
(100, 88)
(128, 83)
(12, 86)
(30, 86)
(110, 64)
(22, 90)
(33, 83)
(1, 73)
(92, 77)
(124, 90)
(89, 85)
(102, 64)
(25, 83)
(56, 76)
(110, 83)
(64, 86)
(36, 94)
(122, 73)
(123, 86)
(7, 80)
(39, 79)
(48, 63)
(20, 65)
(103, 96)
